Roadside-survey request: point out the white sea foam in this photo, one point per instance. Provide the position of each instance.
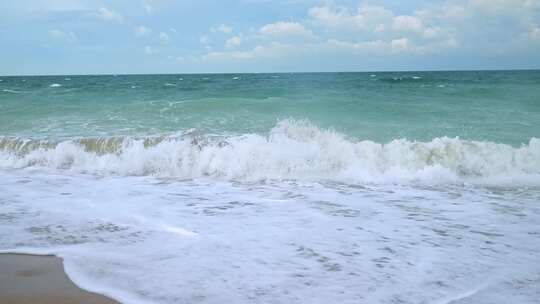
(148, 240)
(291, 150)
(11, 91)
(55, 85)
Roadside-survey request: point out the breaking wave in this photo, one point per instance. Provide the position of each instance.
(291, 150)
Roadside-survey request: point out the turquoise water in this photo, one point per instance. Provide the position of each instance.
(497, 106)
(409, 187)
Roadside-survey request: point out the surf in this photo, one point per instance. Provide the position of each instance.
(292, 149)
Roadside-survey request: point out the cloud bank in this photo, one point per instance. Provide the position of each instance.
(316, 35)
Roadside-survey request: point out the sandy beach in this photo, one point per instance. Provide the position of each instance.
(40, 280)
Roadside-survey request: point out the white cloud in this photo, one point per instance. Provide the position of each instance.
(494, 26)
(142, 30)
(400, 44)
(150, 50)
(110, 15)
(373, 46)
(233, 42)
(204, 39)
(147, 7)
(367, 18)
(286, 29)
(226, 29)
(386, 47)
(534, 34)
(431, 32)
(478, 25)
(272, 50)
(408, 24)
(453, 12)
(423, 31)
(164, 38)
(62, 35)
(471, 26)
(502, 7)
(370, 20)
(324, 15)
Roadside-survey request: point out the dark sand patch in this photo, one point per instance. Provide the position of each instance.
(32, 279)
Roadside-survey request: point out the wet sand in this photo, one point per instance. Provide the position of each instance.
(31, 279)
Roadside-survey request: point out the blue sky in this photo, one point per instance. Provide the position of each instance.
(166, 36)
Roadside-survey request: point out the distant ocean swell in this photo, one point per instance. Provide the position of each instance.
(291, 150)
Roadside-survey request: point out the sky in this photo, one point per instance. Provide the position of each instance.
(202, 36)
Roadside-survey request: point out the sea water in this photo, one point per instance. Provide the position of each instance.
(404, 187)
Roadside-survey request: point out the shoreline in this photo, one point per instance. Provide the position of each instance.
(37, 279)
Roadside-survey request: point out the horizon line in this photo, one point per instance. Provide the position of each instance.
(294, 72)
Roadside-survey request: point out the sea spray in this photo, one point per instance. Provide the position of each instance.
(291, 150)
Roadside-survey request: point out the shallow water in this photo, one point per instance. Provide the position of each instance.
(142, 239)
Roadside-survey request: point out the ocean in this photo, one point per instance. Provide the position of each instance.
(382, 187)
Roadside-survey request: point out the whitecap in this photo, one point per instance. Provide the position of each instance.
(291, 150)
(11, 91)
(55, 85)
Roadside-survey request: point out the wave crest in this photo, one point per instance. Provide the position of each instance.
(291, 150)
